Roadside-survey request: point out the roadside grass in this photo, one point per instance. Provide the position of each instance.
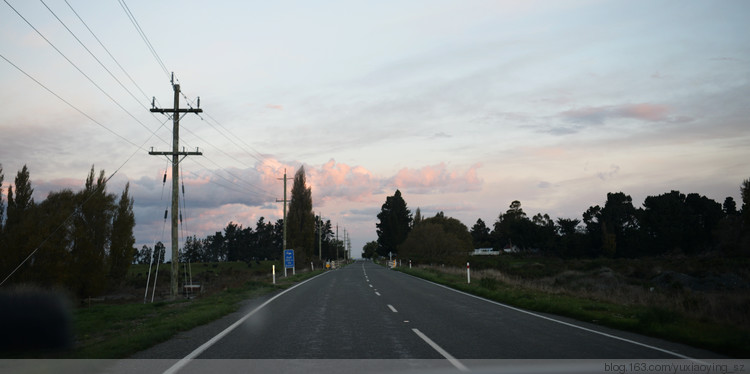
(648, 320)
(118, 331)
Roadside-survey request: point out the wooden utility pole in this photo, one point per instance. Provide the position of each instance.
(175, 111)
(284, 235)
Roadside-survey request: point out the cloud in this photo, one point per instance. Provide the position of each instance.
(598, 115)
(334, 180)
(275, 106)
(441, 135)
(544, 184)
(605, 175)
(436, 179)
(216, 197)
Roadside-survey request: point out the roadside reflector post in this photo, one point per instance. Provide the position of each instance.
(468, 273)
(409, 264)
(273, 271)
(312, 267)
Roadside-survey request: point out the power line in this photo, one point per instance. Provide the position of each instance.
(95, 58)
(107, 50)
(71, 105)
(262, 159)
(80, 71)
(244, 188)
(143, 36)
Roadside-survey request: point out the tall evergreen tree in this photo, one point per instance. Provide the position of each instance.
(395, 224)
(301, 220)
(480, 234)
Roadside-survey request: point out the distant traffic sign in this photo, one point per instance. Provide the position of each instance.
(289, 258)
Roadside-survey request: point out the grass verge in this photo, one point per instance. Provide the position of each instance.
(652, 321)
(119, 330)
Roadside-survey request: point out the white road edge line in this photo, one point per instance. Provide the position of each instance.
(186, 360)
(377, 293)
(566, 323)
(442, 351)
(392, 308)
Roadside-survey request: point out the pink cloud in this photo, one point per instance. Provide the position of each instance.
(437, 178)
(642, 111)
(275, 106)
(336, 180)
(647, 112)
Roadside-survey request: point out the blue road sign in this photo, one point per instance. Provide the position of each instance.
(288, 258)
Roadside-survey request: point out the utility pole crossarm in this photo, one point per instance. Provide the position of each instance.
(196, 153)
(179, 110)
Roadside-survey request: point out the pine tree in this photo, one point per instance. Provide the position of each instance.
(394, 226)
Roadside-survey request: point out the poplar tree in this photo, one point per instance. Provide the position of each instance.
(19, 227)
(2, 203)
(121, 251)
(92, 233)
(301, 220)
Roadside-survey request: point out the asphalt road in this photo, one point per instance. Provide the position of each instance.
(365, 311)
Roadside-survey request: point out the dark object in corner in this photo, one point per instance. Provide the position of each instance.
(34, 321)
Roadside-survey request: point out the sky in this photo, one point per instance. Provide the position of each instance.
(464, 106)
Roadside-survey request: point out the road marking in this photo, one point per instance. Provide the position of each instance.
(186, 360)
(370, 285)
(566, 323)
(442, 351)
(377, 293)
(392, 308)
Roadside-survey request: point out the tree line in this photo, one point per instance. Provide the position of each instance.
(246, 244)
(81, 241)
(671, 222)
(265, 241)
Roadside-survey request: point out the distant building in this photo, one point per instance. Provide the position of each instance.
(485, 252)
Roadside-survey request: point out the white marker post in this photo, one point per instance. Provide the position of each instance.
(312, 267)
(409, 264)
(273, 270)
(468, 273)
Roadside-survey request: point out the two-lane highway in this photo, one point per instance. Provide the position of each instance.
(365, 311)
